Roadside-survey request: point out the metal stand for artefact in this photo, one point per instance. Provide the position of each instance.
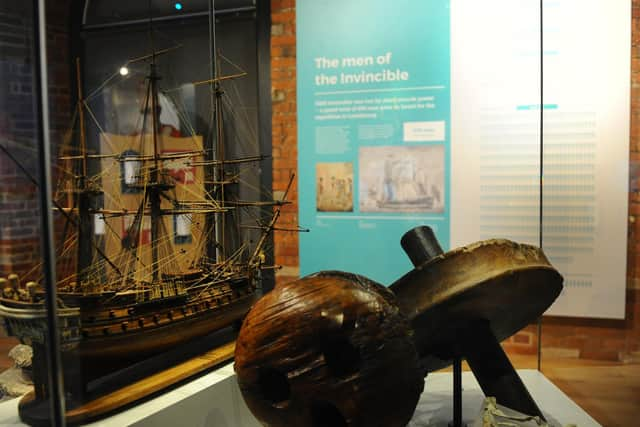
(457, 394)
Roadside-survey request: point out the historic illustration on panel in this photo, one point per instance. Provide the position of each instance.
(402, 179)
(334, 187)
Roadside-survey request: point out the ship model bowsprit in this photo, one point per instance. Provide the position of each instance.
(161, 260)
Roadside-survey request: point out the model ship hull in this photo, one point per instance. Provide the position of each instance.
(103, 334)
(110, 346)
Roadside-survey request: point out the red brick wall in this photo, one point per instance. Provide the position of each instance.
(584, 338)
(19, 211)
(285, 129)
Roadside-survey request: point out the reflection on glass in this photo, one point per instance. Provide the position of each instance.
(98, 224)
(182, 226)
(131, 171)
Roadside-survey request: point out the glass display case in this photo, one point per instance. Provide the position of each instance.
(159, 235)
(173, 131)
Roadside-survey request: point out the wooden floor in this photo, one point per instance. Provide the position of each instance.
(611, 395)
(608, 391)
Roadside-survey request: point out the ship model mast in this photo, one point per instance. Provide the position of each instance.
(85, 191)
(155, 183)
(218, 252)
(155, 187)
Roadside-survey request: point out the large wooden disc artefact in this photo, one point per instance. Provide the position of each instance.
(332, 349)
(506, 284)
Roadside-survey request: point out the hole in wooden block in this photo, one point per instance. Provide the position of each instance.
(341, 356)
(274, 386)
(325, 414)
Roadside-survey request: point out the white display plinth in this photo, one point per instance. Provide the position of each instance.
(211, 400)
(435, 407)
(214, 400)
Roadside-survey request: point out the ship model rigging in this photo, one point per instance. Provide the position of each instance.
(160, 255)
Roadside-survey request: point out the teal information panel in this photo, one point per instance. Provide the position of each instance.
(373, 131)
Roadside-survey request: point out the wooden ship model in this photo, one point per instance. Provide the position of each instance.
(170, 264)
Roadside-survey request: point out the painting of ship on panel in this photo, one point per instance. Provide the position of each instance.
(402, 179)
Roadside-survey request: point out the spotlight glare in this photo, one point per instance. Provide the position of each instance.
(124, 71)
(178, 6)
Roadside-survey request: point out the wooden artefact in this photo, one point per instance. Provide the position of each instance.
(332, 349)
(460, 305)
(502, 282)
(463, 303)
